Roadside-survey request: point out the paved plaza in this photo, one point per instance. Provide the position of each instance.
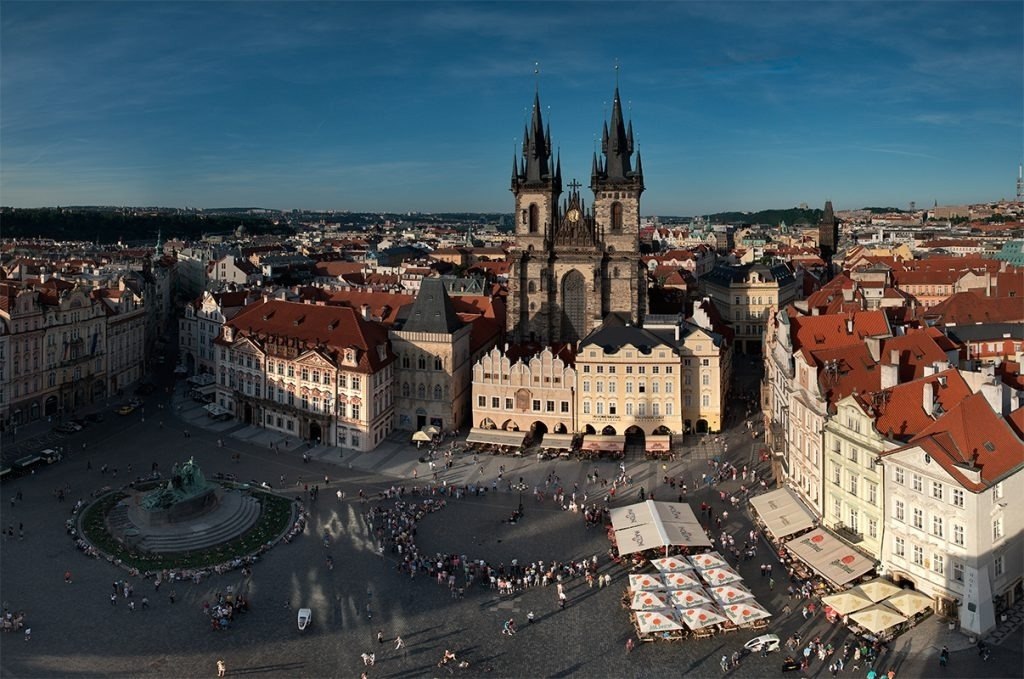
(77, 632)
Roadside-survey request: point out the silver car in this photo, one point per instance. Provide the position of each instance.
(765, 643)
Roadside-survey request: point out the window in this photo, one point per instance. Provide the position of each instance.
(629, 387)
(958, 534)
(343, 381)
(937, 526)
(918, 555)
(586, 386)
(958, 571)
(611, 387)
(564, 407)
(937, 490)
(600, 407)
(655, 386)
(853, 454)
(586, 407)
(655, 369)
(997, 492)
(655, 407)
(355, 416)
(837, 508)
(629, 407)
(854, 519)
(668, 408)
(438, 364)
(997, 528)
(356, 381)
(917, 483)
(918, 518)
(549, 406)
(481, 401)
(898, 476)
(600, 369)
(872, 493)
(873, 528)
(600, 386)
(508, 404)
(641, 409)
(853, 484)
(705, 379)
(899, 547)
(612, 410)
(999, 565)
(706, 400)
(837, 472)
(536, 405)
(437, 392)
(938, 563)
(304, 373)
(668, 387)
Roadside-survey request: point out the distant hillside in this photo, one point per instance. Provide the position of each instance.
(110, 226)
(771, 217)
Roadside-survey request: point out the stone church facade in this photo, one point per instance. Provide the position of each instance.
(573, 265)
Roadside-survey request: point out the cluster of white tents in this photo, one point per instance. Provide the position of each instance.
(693, 593)
(655, 525)
(878, 605)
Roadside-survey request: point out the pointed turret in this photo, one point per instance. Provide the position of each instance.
(617, 146)
(515, 171)
(537, 147)
(593, 170)
(639, 168)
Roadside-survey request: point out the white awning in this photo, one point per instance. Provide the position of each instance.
(559, 441)
(829, 556)
(783, 514)
(202, 379)
(650, 524)
(215, 410)
(658, 443)
(599, 442)
(497, 437)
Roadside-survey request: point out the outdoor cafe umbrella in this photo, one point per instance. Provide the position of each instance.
(721, 576)
(908, 602)
(846, 602)
(745, 612)
(645, 582)
(649, 601)
(431, 430)
(670, 564)
(657, 621)
(878, 618)
(688, 598)
(877, 589)
(708, 560)
(731, 593)
(421, 436)
(681, 580)
(701, 616)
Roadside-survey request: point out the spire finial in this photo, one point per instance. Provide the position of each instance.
(536, 77)
(616, 73)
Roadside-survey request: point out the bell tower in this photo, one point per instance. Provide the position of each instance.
(617, 185)
(536, 185)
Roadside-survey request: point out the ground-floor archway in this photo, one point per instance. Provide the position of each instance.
(50, 408)
(315, 432)
(560, 428)
(538, 428)
(509, 425)
(589, 429)
(662, 430)
(687, 426)
(608, 431)
(488, 423)
(702, 427)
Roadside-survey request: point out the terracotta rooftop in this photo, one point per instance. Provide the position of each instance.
(812, 333)
(846, 370)
(972, 435)
(900, 411)
(915, 350)
(969, 308)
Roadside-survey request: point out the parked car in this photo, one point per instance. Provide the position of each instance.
(50, 456)
(135, 403)
(67, 428)
(765, 642)
(82, 424)
(126, 410)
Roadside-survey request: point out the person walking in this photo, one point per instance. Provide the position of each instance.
(630, 645)
(67, 577)
(943, 656)
(222, 669)
(380, 636)
(399, 643)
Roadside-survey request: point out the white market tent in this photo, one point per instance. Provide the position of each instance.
(645, 582)
(745, 612)
(651, 524)
(728, 594)
(708, 560)
(702, 616)
(671, 564)
(497, 437)
(783, 514)
(878, 618)
(657, 621)
(877, 589)
(559, 441)
(682, 580)
(908, 602)
(829, 556)
(846, 602)
(723, 575)
(649, 601)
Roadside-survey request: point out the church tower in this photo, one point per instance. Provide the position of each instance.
(617, 186)
(573, 265)
(536, 185)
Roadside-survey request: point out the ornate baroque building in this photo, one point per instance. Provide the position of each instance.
(573, 265)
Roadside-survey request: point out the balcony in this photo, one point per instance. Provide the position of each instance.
(848, 533)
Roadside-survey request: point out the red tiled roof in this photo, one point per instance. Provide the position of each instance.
(915, 350)
(383, 305)
(900, 411)
(331, 328)
(971, 433)
(971, 307)
(846, 370)
(812, 333)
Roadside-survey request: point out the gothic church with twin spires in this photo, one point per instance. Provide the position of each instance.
(573, 265)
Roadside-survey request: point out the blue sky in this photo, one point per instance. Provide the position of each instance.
(389, 106)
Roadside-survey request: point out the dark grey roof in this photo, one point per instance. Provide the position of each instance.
(611, 337)
(432, 311)
(988, 332)
(726, 275)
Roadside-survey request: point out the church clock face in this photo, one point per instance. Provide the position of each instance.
(573, 215)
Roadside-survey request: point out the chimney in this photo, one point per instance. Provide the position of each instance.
(928, 398)
(890, 376)
(849, 325)
(994, 393)
(677, 332)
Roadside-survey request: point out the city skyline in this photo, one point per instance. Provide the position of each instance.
(420, 106)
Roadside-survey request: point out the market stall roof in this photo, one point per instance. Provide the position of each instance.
(216, 410)
(671, 564)
(877, 589)
(560, 441)
(645, 582)
(658, 621)
(421, 436)
(731, 593)
(745, 612)
(846, 602)
(682, 580)
(708, 560)
(723, 575)
(658, 443)
(614, 444)
(877, 618)
(688, 598)
(650, 524)
(908, 602)
(649, 601)
(702, 616)
(498, 437)
(783, 514)
(829, 556)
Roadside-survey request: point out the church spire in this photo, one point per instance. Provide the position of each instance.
(537, 146)
(617, 144)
